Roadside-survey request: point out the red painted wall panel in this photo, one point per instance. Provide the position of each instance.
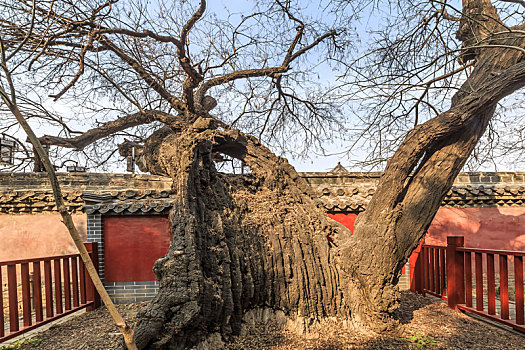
(347, 219)
(490, 228)
(131, 246)
(27, 236)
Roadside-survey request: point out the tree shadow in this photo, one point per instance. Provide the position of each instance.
(408, 303)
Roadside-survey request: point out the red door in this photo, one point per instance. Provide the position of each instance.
(131, 246)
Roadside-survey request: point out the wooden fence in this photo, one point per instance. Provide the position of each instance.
(471, 280)
(58, 285)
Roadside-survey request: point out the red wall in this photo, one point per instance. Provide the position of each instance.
(131, 246)
(347, 219)
(491, 228)
(26, 236)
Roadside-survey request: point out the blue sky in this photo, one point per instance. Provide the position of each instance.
(335, 149)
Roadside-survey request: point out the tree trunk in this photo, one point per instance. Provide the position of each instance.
(261, 244)
(255, 243)
(424, 167)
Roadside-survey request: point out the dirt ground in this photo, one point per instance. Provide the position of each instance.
(425, 321)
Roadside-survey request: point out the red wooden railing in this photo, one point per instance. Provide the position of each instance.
(449, 271)
(430, 271)
(66, 288)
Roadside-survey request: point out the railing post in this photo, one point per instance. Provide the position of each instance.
(416, 269)
(2, 332)
(12, 290)
(91, 293)
(455, 271)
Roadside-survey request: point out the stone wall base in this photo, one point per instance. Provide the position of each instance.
(131, 292)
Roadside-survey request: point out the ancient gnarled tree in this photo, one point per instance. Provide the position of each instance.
(163, 76)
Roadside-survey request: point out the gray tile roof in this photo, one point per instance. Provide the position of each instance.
(348, 192)
(128, 202)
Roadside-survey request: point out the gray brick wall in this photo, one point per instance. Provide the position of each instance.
(95, 233)
(404, 280)
(131, 292)
(79, 182)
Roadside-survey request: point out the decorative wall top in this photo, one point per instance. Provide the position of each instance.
(356, 198)
(128, 202)
(339, 191)
(31, 201)
(31, 192)
(344, 191)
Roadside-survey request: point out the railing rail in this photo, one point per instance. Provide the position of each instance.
(474, 280)
(58, 285)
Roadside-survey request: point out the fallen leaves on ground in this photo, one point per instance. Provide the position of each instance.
(423, 320)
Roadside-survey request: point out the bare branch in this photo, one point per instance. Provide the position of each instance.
(110, 128)
(300, 30)
(28, 35)
(241, 74)
(80, 70)
(144, 34)
(520, 2)
(429, 83)
(177, 104)
(316, 42)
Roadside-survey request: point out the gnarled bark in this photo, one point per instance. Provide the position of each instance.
(239, 244)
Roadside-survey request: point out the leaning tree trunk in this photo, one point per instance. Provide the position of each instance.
(426, 163)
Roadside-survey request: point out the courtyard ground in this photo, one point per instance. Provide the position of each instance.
(423, 320)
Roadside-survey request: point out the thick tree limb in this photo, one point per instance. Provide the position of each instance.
(110, 128)
(193, 78)
(422, 137)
